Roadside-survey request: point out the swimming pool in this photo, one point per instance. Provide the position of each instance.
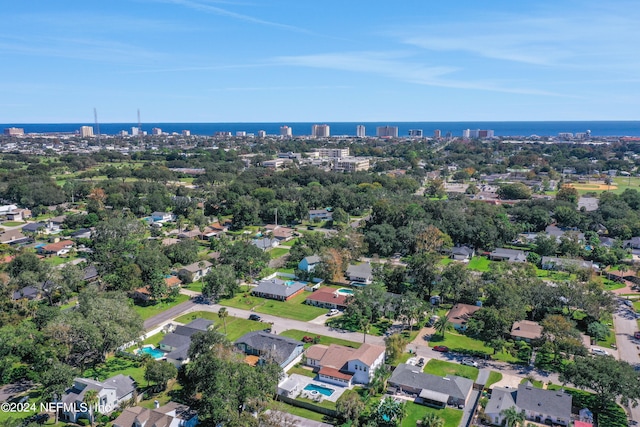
(345, 291)
(319, 389)
(292, 282)
(156, 353)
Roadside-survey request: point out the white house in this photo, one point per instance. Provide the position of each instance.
(194, 272)
(343, 366)
(111, 393)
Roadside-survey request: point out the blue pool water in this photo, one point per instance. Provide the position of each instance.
(322, 390)
(291, 282)
(154, 352)
(345, 291)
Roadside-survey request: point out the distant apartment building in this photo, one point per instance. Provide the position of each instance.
(86, 131)
(335, 153)
(222, 133)
(135, 131)
(466, 134)
(156, 131)
(14, 131)
(123, 133)
(351, 164)
(276, 163)
(320, 131)
(186, 133)
(262, 134)
(437, 134)
(361, 131)
(415, 133)
(565, 135)
(286, 131)
(241, 133)
(477, 133)
(387, 131)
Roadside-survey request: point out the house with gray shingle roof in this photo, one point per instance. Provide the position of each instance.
(360, 274)
(194, 272)
(431, 389)
(555, 263)
(281, 350)
(111, 394)
(278, 289)
(170, 415)
(177, 343)
(308, 263)
(540, 406)
(510, 255)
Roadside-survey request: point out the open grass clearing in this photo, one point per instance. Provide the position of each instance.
(479, 263)
(442, 368)
(278, 252)
(236, 327)
(151, 310)
(325, 340)
(462, 343)
(494, 377)
(295, 308)
(416, 412)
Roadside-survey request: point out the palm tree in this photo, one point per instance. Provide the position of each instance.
(91, 398)
(432, 420)
(513, 417)
(442, 325)
(223, 313)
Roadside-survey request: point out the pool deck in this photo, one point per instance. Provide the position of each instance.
(305, 381)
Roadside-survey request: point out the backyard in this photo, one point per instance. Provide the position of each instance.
(416, 412)
(298, 335)
(464, 344)
(236, 327)
(442, 368)
(147, 311)
(295, 308)
(479, 263)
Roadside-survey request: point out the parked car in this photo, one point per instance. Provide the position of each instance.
(441, 348)
(255, 317)
(469, 362)
(636, 335)
(333, 312)
(599, 351)
(628, 303)
(420, 362)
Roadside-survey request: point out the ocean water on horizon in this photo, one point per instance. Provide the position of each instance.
(522, 129)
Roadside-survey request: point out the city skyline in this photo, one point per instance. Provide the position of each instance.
(287, 61)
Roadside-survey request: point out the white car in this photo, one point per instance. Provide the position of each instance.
(469, 362)
(599, 351)
(333, 312)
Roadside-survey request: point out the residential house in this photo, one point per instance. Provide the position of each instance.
(562, 264)
(281, 350)
(170, 415)
(34, 227)
(539, 405)
(91, 274)
(526, 330)
(278, 289)
(28, 292)
(360, 274)
(462, 253)
(176, 344)
(344, 366)
(59, 248)
(633, 243)
(431, 390)
(5, 209)
(54, 225)
(265, 243)
(320, 215)
(282, 234)
(460, 314)
(19, 215)
(194, 272)
(111, 394)
(172, 281)
(162, 217)
(170, 241)
(82, 233)
(14, 237)
(328, 298)
(189, 234)
(141, 294)
(510, 255)
(308, 263)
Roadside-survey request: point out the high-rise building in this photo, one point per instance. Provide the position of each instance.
(262, 134)
(86, 131)
(437, 134)
(335, 153)
(186, 133)
(488, 133)
(156, 131)
(466, 134)
(14, 131)
(320, 131)
(135, 131)
(416, 133)
(286, 131)
(387, 131)
(241, 133)
(361, 131)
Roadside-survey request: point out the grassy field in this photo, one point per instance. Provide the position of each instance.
(305, 413)
(479, 263)
(295, 308)
(445, 261)
(611, 285)
(296, 334)
(117, 365)
(494, 377)
(302, 371)
(278, 252)
(151, 310)
(56, 260)
(460, 343)
(553, 274)
(12, 223)
(289, 243)
(34, 398)
(236, 327)
(416, 412)
(442, 368)
(195, 286)
(536, 383)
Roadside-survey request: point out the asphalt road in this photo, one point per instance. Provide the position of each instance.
(628, 347)
(169, 314)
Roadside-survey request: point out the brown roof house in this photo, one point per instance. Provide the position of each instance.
(460, 314)
(526, 330)
(59, 248)
(170, 415)
(328, 298)
(342, 365)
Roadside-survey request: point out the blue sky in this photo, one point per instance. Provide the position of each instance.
(319, 61)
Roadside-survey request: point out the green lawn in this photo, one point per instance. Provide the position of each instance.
(302, 371)
(462, 343)
(195, 286)
(56, 260)
(12, 223)
(479, 263)
(415, 412)
(151, 310)
(117, 365)
(611, 285)
(153, 340)
(442, 368)
(34, 402)
(553, 274)
(494, 377)
(445, 261)
(278, 252)
(305, 413)
(236, 327)
(286, 270)
(289, 243)
(536, 383)
(296, 334)
(295, 308)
